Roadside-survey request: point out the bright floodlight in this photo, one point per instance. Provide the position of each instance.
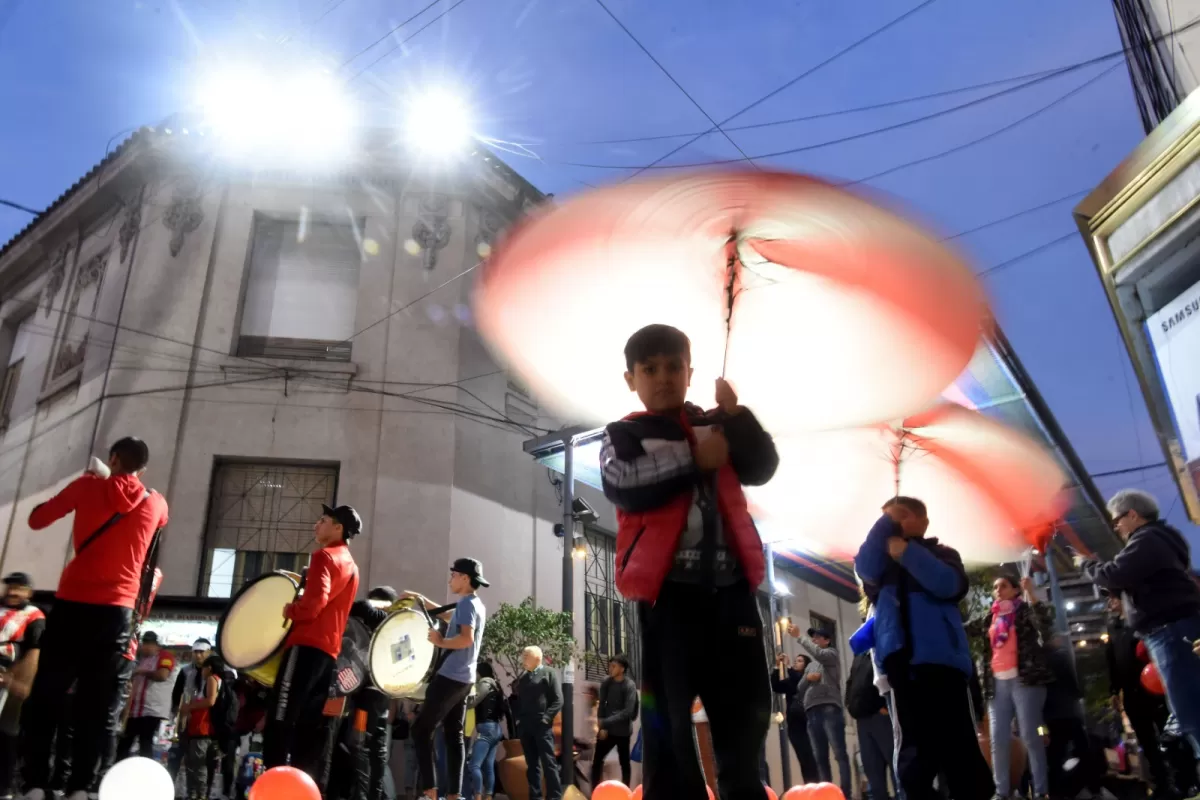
(303, 115)
(781, 588)
(438, 123)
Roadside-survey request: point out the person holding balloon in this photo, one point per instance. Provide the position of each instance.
(1162, 599)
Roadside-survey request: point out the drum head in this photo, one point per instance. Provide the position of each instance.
(352, 662)
(401, 654)
(253, 629)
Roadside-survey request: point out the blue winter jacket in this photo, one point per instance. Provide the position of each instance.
(933, 579)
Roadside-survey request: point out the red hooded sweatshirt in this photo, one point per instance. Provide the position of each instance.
(109, 572)
(319, 616)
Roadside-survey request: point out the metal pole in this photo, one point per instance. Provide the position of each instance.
(785, 760)
(568, 607)
(1061, 624)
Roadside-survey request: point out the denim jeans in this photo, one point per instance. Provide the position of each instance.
(481, 768)
(1026, 701)
(826, 729)
(877, 746)
(1170, 648)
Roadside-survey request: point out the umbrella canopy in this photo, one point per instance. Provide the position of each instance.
(990, 491)
(822, 309)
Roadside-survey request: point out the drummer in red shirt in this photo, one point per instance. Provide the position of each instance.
(116, 518)
(296, 727)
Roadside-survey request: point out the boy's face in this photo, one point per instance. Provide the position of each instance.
(661, 382)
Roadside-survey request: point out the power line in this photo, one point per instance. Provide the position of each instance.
(820, 65)
(672, 79)
(405, 40)
(20, 207)
(1031, 252)
(1115, 472)
(389, 33)
(993, 134)
(1015, 215)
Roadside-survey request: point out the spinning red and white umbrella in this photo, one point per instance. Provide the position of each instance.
(823, 309)
(990, 490)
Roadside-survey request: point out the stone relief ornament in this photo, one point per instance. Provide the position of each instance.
(58, 275)
(431, 231)
(91, 273)
(131, 224)
(70, 357)
(183, 215)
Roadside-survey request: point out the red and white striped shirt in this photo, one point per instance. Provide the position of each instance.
(150, 698)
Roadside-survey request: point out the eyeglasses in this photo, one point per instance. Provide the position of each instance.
(1120, 517)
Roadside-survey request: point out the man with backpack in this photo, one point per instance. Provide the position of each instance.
(211, 721)
(114, 535)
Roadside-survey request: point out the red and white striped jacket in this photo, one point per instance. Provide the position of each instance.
(13, 624)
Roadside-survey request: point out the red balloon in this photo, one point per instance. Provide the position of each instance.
(770, 793)
(1152, 681)
(710, 793)
(826, 791)
(1142, 653)
(637, 793)
(612, 790)
(284, 783)
(802, 792)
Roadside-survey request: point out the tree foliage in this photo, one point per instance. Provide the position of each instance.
(513, 628)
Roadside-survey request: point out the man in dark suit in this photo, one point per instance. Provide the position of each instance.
(541, 700)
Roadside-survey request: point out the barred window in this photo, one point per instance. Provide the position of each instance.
(610, 621)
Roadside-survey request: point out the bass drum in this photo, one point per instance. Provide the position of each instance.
(252, 631)
(401, 657)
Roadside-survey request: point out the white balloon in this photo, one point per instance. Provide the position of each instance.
(140, 778)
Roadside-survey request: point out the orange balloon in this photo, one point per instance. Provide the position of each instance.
(826, 791)
(637, 793)
(284, 783)
(802, 792)
(612, 790)
(770, 793)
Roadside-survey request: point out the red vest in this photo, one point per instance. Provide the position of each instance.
(647, 541)
(13, 622)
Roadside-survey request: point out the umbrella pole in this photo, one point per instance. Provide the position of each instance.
(785, 760)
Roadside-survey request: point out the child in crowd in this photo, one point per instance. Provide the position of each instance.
(688, 552)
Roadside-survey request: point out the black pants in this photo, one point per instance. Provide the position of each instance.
(446, 705)
(537, 740)
(705, 643)
(937, 733)
(1147, 719)
(1069, 739)
(797, 730)
(83, 645)
(371, 758)
(296, 728)
(603, 748)
(139, 730)
(62, 747)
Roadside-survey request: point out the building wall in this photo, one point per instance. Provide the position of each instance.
(431, 485)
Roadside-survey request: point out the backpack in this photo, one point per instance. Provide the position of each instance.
(224, 713)
(862, 696)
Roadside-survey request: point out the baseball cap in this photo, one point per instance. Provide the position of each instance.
(825, 632)
(384, 593)
(472, 568)
(19, 579)
(149, 637)
(345, 516)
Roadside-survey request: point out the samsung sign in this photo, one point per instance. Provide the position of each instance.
(1175, 334)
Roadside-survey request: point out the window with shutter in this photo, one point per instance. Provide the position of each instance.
(302, 291)
(12, 373)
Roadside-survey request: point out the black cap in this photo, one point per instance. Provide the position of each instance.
(471, 568)
(385, 593)
(19, 579)
(149, 637)
(345, 516)
(825, 632)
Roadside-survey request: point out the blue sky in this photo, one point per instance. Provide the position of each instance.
(555, 74)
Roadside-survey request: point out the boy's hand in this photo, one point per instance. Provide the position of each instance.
(712, 453)
(727, 399)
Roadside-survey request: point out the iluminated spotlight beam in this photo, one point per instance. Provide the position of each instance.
(438, 123)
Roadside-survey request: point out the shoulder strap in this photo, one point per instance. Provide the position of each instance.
(111, 521)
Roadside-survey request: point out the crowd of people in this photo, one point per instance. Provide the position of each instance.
(689, 556)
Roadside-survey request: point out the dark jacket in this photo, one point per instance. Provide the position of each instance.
(1153, 573)
(541, 699)
(1063, 695)
(863, 699)
(793, 688)
(654, 490)
(916, 599)
(618, 707)
(1034, 626)
(1125, 668)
